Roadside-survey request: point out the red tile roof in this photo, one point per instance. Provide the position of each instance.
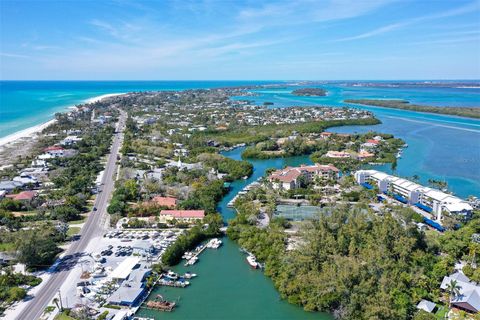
(24, 195)
(364, 154)
(165, 201)
(53, 148)
(373, 141)
(286, 175)
(290, 174)
(184, 213)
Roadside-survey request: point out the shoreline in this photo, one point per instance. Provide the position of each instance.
(30, 132)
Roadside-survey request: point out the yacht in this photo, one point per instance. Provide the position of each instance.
(252, 261)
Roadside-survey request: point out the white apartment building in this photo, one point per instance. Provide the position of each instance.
(431, 200)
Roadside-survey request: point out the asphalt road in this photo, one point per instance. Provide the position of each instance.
(93, 227)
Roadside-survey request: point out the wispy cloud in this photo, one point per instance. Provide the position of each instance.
(13, 55)
(474, 6)
(475, 39)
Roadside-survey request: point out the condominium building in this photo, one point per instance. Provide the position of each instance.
(428, 199)
(288, 178)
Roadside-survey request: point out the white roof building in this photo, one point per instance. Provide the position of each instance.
(429, 199)
(426, 305)
(124, 268)
(468, 298)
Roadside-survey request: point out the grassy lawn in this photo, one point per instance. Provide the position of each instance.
(73, 231)
(63, 316)
(7, 246)
(441, 312)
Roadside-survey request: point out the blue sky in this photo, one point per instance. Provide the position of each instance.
(229, 39)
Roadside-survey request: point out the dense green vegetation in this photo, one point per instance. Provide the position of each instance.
(76, 174)
(38, 249)
(205, 197)
(310, 92)
(10, 286)
(345, 263)
(471, 112)
(269, 149)
(255, 134)
(233, 168)
(460, 244)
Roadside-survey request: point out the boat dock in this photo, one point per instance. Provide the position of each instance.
(194, 257)
(172, 283)
(244, 191)
(160, 304)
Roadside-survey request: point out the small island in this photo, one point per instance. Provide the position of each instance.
(310, 92)
(469, 112)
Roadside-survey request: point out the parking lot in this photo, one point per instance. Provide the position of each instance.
(90, 283)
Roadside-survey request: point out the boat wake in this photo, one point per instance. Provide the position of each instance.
(436, 124)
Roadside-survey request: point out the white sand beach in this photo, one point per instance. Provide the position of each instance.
(103, 96)
(26, 133)
(30, 132)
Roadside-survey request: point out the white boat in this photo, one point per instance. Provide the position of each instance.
(172, 275)
(214, 243)
(252, 261)
(189, 275)
(191, 261)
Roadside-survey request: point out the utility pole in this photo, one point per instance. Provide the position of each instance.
(60, 296)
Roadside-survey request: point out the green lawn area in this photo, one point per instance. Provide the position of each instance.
(7, 246)
(441, 312)
(63, 316)
(73, 231)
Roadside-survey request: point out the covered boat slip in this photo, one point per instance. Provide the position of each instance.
(400, 198)
(433, 224)
(424, 207)
(367, 185)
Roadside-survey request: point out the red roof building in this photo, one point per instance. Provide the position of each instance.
(182, 214)
(373, 141)
(365, 155)
(325, 135)
(53, 148)
(168, 202)
(288, 177)
(23, 196)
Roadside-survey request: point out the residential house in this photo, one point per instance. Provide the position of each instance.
(338, 154)
(168, 202)
(468, 298)
(181, 215)
(10, 185)
(24, 196)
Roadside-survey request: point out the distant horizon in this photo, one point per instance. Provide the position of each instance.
(226, 80)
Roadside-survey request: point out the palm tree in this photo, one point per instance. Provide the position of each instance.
(55, 300)
(453, 290)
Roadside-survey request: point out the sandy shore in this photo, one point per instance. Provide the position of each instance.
(103, 96)
(30, 132)
(26, 133)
